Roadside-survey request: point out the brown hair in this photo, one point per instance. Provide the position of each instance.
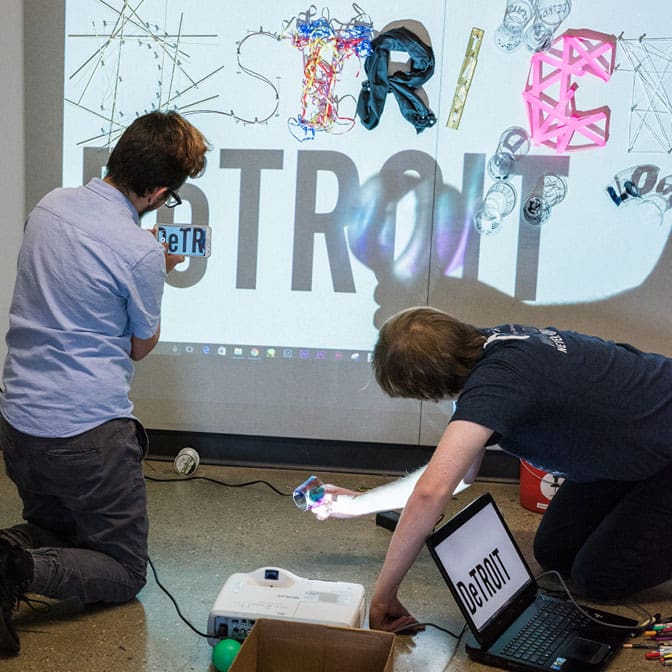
(424, 353)
(159, 149)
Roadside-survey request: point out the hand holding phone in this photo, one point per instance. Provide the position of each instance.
(190, 240)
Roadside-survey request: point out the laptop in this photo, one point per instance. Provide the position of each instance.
(503, 605)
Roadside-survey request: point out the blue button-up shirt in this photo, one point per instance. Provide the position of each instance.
(89, 277)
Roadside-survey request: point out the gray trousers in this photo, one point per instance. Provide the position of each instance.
(85, 510)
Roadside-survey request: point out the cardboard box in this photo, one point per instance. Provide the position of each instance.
(287, 646)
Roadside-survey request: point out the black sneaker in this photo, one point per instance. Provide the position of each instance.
(16, 572)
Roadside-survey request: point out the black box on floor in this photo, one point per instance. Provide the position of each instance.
(387, 519)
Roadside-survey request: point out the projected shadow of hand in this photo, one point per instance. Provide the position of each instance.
(416, 264)
(480, 304)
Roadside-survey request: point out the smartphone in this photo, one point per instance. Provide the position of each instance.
(187, 239)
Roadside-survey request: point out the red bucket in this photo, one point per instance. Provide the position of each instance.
(537, 487)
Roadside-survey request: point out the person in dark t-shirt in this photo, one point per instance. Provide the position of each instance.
(596, 412)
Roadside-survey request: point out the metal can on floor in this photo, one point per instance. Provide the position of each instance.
(186, 461)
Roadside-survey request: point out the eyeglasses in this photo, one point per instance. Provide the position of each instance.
(173, 199)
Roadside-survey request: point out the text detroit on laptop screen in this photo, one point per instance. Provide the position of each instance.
(483, 564)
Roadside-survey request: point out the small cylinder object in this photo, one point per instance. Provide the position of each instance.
(309, 494)
(186, 461)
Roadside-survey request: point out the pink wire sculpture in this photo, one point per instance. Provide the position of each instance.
(550, 92)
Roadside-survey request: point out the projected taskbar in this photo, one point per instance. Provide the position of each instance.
(261, 352)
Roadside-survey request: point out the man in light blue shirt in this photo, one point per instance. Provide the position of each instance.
(86, 304)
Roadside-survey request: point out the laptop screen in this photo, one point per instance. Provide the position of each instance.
(480, 562)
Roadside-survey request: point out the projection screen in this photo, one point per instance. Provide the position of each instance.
(327, 217)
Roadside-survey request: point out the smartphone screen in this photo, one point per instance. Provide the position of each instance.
(189, 240)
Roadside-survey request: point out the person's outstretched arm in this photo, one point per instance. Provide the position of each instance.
(461, 446)
(342, 503)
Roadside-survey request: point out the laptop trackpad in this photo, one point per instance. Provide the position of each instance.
(586, 650)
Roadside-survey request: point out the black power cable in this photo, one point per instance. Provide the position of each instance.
(214, 480)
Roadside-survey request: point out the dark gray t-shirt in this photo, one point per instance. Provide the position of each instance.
(572, 404)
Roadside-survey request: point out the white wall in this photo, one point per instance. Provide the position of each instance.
(12, 167)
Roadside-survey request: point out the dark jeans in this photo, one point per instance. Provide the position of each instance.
(612, 538)
(85, 507)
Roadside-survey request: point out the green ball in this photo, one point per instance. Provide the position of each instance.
(223, 654)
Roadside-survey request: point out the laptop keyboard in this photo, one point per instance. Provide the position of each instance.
(545, 631)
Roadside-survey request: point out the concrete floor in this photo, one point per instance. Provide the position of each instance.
(202, 532)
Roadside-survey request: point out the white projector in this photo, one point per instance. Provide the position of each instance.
(269, 592)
